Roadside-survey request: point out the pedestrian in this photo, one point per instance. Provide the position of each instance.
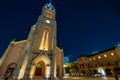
(116, 77)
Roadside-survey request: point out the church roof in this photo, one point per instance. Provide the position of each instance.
(21, 41)
(100, 52)
(61, 50)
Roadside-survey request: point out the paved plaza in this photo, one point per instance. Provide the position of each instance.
(88, 78)
(80, 78)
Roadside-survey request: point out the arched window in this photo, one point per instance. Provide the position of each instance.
(45, 40)
(10, 70)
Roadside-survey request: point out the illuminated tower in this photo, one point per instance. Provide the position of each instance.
(38, 59)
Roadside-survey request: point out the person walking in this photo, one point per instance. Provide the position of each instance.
(116, 77)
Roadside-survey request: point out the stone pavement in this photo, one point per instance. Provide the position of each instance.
(80, 78)
(87, 78)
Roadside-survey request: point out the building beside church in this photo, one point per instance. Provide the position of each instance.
(106, 63)
(38, 56)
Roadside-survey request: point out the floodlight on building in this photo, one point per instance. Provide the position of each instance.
(47, 73)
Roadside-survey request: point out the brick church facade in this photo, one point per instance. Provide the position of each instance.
(38, 56)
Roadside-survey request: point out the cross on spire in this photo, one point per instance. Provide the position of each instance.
(50, 4)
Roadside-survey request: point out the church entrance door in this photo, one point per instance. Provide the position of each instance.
(40, 70)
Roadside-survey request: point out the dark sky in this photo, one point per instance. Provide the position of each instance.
(83, 26)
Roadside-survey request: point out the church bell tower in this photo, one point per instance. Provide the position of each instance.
(38, 59)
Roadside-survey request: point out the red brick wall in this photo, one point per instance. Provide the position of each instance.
(13, 56)
(59, 61)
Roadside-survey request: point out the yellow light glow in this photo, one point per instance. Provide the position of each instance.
(64, 65)
(20, 41)
(105, 55)
(32, 71)
(45, 40)
(94, 58)
(22, 70)
(48, 14)
(47, 71)
(99, 57)
(112, 54)
(89, 59)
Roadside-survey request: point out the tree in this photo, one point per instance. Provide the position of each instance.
(71, 67)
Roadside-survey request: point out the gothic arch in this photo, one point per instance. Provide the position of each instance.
(42, 59)
(45, 39)
(10, 69)
(44, 44)
(108, 71)
(95, 71)
(116, 70)
(40, 69)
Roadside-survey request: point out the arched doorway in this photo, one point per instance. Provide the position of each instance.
(83, 72)
(89, 72)
(116, 70)
(10, 69)
(39, 67)
(108, 72)
(40, 70)
(94, 71)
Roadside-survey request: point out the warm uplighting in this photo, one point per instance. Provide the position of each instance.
(105, 55)
(89, 59)
(99, 57)
(22, 70)
(44, 41)
(112, 54)
(94, 58)
(32, 71)
(64, 65)
(47, 73)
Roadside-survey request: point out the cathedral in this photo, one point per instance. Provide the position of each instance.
(37, 57)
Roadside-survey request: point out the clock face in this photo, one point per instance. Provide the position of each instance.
(47, 21)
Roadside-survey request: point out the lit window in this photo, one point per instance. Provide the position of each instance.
(44, 41)
(99, 57)
(105, 55)
(112, 54)
(89, 59)
(94, 58)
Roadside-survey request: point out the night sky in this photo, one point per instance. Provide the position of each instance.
(83, 26)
